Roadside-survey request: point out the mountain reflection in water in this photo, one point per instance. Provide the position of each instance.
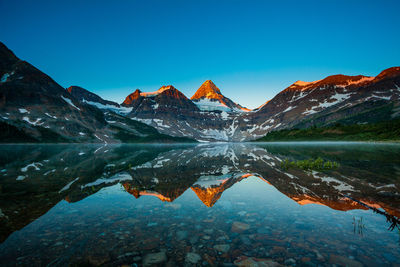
(242, 224)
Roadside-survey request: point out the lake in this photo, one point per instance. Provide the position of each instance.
(199, 204)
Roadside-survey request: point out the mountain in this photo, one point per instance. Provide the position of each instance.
(172, 113)
(84, 95)
(208, 97)
(335, 99)
(34, 108)
(166, 99)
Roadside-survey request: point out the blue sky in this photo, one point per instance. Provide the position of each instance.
(251, 49)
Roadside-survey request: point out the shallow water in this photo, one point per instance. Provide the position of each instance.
(213, 204)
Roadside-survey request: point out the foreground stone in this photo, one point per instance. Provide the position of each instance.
(244, 261)
(239, 227)
(192, 258)
(154, 258)
(337, 259)
(222, 248)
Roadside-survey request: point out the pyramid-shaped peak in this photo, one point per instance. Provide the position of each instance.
(207, 90)
(211, 86)
(131, 97)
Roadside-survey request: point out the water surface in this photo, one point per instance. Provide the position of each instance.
(212, 204)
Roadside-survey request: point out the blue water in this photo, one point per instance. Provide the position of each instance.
(199, 205)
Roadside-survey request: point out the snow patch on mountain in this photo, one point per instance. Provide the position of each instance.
(206, 104)
(36, 122)
(70, 102)
(159, 91)
(323, 105)
(120, 110)
(5, 77)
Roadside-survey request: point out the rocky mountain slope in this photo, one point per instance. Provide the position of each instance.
(34, 108)
(335, 99)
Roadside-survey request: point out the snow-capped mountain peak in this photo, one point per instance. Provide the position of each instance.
(209, 98)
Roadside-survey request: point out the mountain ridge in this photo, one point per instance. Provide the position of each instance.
(33, 102)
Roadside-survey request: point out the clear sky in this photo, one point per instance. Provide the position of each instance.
(250, 49)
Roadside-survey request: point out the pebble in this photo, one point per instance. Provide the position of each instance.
(337, 259)
(222, 248)
(181, 235)
(192, 258)
(244, 261)
(239, 227)
(209, 231)
(290, 261)
(206, 237)
(154, 258)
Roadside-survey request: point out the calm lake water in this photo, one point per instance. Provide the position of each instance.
(207, 204)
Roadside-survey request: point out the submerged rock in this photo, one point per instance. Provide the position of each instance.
(181, 235)
(154, 258)
(244, 261)
(192, 258)
(222, 248)
(238, 227)
(337, 259)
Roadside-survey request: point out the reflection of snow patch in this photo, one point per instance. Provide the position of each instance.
(54, 117)
(34, 165)
(66, 187)
(116, 178)
(342, 186)
(225, 169)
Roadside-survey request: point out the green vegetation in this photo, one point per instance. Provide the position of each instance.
(382, 131)
(358, 226)
(310, 164)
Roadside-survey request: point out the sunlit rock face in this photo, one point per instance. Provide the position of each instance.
(49, 174)
(208, 98)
